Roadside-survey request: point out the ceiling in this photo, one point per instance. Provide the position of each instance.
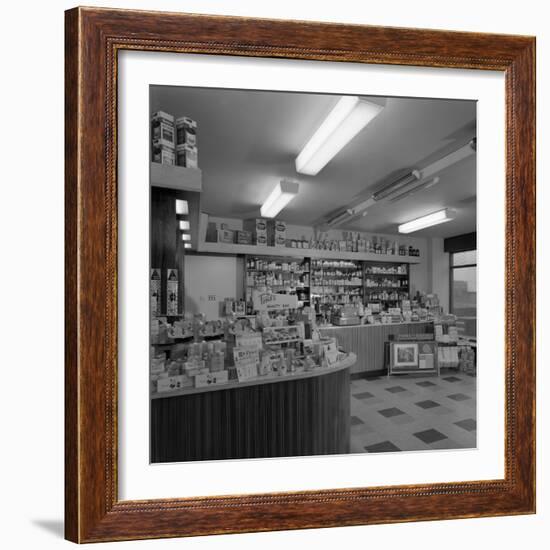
(248, 141)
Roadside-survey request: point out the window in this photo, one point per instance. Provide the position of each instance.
(464, 290)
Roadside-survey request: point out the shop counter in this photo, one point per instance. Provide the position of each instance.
(299, 414)
(367, 342)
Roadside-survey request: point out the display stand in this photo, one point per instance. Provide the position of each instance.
(413, 356)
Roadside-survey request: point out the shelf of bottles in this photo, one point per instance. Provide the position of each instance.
(279, 276)
(385, 283)
(336, 282)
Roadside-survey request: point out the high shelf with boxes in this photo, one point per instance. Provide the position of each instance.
(278, 275)
(336, 282)
(386, 283)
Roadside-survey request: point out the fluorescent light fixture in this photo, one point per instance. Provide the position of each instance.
(281, 195)
(187, 245)
(348, 117)
(412, 189)
(184, 225)
(449, 160)
(435, 218)
(361, 207)
(182, 207)
(185, 237)
(339, 219)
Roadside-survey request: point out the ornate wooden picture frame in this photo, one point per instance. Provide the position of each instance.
(94, 37)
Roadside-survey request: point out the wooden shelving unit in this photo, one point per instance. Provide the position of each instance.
(386, 283)
(268, 272)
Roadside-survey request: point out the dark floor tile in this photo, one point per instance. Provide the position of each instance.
(459, 397)
(393, 411)
(425, 384)
(355, 421)
(395, 389)
(451, 378)
(469, 424)
(430, 436)
(428, 404)
(363, 395)
(382, 447)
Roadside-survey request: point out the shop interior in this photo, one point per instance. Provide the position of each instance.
(312, 274)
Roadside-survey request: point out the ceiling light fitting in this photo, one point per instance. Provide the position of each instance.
(348, 117)
(281, 195)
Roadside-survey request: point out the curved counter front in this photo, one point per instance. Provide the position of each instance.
(296, 415)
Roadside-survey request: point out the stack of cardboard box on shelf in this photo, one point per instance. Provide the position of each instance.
(174, 141)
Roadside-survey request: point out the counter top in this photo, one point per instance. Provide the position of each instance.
(345, 363)
(330, 327)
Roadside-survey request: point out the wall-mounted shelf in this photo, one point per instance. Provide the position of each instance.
(254, 250)
(176, 177)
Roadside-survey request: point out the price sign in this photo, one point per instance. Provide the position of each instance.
(274, 302)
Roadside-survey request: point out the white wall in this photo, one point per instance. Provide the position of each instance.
(439, 271)
(208, 280)
(31, 211)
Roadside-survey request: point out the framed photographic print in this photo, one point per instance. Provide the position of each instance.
(256, 211)
(405, 355)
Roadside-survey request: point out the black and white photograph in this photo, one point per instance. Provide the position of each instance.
(313, 274)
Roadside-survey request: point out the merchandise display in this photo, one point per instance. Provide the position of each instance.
(174, 141)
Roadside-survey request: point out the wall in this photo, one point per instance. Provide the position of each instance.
(31, 211)
(418, 272)
(210, 279)
(439, 267)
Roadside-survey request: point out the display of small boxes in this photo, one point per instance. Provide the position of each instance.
(187, 155)
(244, 237)
(258, 227)
(162, 129)
(163, 155)
(277, 233)
(226, 236)
(186, 131)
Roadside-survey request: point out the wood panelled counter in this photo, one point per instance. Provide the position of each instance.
(298, 414)
(367, 342)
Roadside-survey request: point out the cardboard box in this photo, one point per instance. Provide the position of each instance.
(164, 155)
(211, 379)
(186, 131)
(187, 156)
(244, 237)
(164, 133)
(161, 116)
(226, 236)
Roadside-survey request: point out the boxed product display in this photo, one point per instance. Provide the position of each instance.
(163, 155)
(186, 131)
(276, 230)
(244, 237)
(226, 236)
(187, 156)
(211, 379)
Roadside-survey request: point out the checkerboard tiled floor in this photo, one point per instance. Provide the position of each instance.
(413, 413)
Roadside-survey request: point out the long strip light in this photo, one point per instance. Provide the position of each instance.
(449, 160)
(281, 195)
(348, 117)
(435, 218)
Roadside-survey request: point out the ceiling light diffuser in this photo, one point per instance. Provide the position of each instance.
(281, 195)
(348, 117)
(185, 237)
(187, 245)
(435, 218)
(184, 225)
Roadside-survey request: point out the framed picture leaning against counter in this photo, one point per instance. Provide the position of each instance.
(287, 264)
